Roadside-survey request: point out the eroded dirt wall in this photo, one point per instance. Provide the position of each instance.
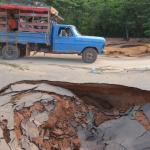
(108, 96)
(48, 115)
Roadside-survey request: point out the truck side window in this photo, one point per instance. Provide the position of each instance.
(65, 32)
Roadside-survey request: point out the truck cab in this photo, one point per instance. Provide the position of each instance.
(67, 39)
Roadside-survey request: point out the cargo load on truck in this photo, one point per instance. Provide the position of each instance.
(28, 18)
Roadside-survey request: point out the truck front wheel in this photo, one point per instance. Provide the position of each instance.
(10, 52)
(89, 55)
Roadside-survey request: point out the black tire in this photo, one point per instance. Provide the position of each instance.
(89, 55)
(10, 52)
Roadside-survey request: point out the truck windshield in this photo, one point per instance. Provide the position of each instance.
(76, 32)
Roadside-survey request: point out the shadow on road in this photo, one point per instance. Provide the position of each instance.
(49, 59)
(74, 60)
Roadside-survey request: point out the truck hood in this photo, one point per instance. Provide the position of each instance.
(92, 38)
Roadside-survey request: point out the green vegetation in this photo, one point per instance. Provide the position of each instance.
(113, 18)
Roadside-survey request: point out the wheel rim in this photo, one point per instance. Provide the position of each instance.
(11, 52)
(89, 56)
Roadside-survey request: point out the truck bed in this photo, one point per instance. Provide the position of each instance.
(24, 37)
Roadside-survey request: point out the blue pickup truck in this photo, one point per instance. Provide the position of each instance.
(60, 39)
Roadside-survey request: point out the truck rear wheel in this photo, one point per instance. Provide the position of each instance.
(89, 55)
(10, 52)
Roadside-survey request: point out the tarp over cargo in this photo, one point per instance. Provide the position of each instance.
(29, 8)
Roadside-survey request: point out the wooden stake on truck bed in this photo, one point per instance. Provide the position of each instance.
(3, 20)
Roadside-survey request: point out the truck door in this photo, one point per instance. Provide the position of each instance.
(64, 41)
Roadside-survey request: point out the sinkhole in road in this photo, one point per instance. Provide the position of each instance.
(47, 115)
